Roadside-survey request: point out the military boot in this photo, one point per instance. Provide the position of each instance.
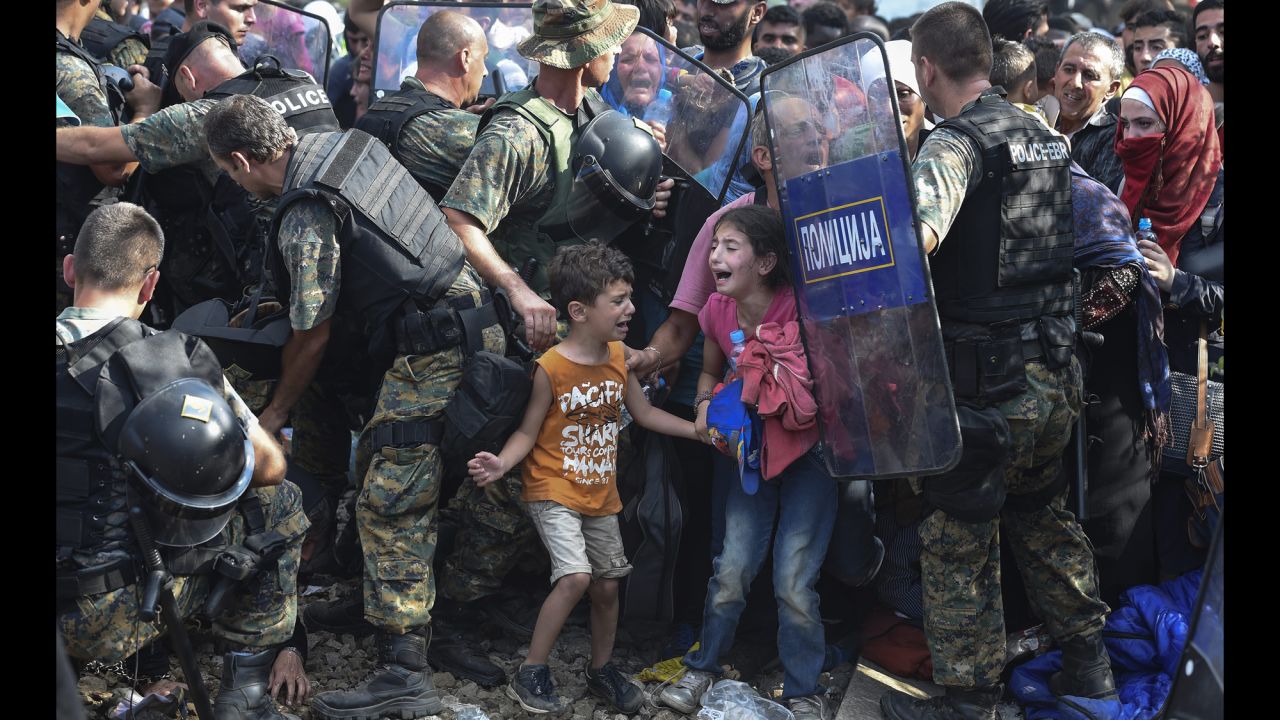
(453, 653)
(957, 704)
(401, 687)
(1086, 670)
(342, 616)
(245, 694)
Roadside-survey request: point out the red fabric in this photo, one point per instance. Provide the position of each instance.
(1169, 177)
(775, 378)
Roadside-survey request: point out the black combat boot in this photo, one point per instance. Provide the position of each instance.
(453, 653)
(244, 694)
(957, 704)
(1086, 670)
(342, 616)
(401, 687)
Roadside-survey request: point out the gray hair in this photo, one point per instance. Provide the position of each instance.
(1093, 43)
(117, 245)
(247, 124)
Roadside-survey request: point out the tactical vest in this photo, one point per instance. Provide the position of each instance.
(90, 482)
(217, 239)
(522, 238)
(387, 117)
(76, 184)
(101, 37)
(1009, 252)
(158, 72)
(396, 245)
(95, 549)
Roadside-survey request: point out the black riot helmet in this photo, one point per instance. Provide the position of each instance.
(191, 460)
(616, 167)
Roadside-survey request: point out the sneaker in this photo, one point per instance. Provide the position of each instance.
(533, 688)
(811, 707)
(686, 695)
(624, 695)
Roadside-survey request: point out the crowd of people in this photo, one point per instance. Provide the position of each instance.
(476, 297)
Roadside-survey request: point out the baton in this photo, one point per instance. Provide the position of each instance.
(159, 588)
(1082, 434)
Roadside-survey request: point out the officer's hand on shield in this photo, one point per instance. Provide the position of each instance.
(481, 107)
(662, 197)
(144, 98)
(539, 317)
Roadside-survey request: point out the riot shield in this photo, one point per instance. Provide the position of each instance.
(300, 40)
(867, 313)
(702, 120)
(395, 53)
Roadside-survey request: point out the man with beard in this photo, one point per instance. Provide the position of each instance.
(1088, 75)
(725, 28)
(1208, 24)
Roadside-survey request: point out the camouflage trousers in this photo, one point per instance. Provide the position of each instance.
(260, 613)
(397, 505)
(494, 533)
(964, 616)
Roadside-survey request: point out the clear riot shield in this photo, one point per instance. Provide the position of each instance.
(867, 314)
(300, 40)
(699, 114)
(395, 54)
(701, 121)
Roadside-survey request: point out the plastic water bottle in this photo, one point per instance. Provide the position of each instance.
(739, 340)
(659, 111)
(1144, 230)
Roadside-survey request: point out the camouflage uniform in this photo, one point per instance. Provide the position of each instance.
(172, 137)
(964, 617)
(433, 146)
(396, 508)
(130, 51)
(507, 174)
(261, 612)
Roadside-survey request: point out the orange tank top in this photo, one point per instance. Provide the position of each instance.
(574, 461)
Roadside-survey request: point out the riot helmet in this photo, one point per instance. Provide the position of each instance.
(190, 460)
(616, 167)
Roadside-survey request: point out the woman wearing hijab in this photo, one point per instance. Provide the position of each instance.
(1128, 400)
(1173, 169)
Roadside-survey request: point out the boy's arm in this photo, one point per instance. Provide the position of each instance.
(652, 418)
(486, 467)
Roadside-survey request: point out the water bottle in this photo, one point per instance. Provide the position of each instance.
(1144, 230)
(739, 340)
(659, 111)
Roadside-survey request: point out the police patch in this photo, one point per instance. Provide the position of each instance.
(196, 408)
(844, 240)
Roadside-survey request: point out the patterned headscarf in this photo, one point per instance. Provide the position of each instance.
(1188, 58)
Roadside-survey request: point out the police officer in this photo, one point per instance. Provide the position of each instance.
(994, 191)
(114, 42)
(141, 424)
(358, 238)
(423, 123)
(86, 90)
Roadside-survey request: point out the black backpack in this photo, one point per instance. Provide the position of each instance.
(487, 407)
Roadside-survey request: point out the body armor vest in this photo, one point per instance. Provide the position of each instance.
(218, 237)
(387, 117)
(521, 238)
(76, 184)
(92, 517)
(1009, 252)
(101, 37)
(396, 244)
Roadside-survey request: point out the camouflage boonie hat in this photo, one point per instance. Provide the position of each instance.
(571, 33)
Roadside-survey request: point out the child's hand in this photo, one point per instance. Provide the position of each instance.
(485, 467)
(700, 424)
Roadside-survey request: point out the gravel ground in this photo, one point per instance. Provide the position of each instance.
(341, 661)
